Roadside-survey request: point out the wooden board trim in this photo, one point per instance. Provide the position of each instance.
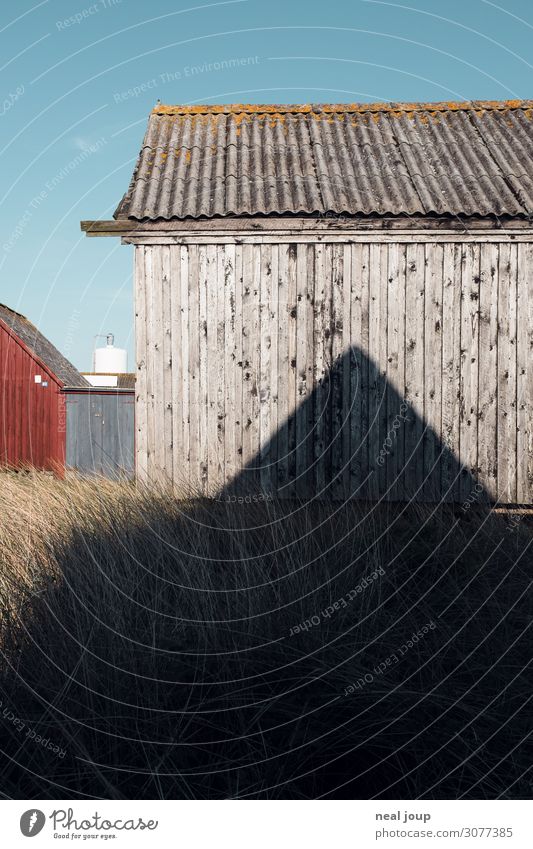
(296, 224)
(313, 237)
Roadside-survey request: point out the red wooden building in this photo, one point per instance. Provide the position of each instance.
(33, 374)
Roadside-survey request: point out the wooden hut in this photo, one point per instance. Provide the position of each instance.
(334, 300)
(32, 404)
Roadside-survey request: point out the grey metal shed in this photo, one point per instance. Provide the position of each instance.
(101, 431)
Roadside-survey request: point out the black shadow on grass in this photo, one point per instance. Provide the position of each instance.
(276, 649)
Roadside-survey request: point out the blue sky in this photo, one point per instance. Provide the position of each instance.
(79, 79)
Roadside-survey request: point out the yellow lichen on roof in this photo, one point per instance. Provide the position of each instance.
(242, 110)
(178, 151)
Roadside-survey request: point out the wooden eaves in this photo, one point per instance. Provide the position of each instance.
(305, 229)
(295, 224)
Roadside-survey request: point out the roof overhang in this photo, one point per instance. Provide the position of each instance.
(326, 222)
(343, 226)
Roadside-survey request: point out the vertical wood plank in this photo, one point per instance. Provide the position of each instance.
(512, 418)
(507, 374)
(194, 370)
(141, 400)
(183, 477)
(274, 318)
(265, 350)
(488, 353)
(376, 456)
(176, 366)
(157, 331)
(203, 385)
(248, 377)
(414, 370)
(524, 382)
(166, 307)
(304, 386)
(290, 490)
(451, 367)
(360, 372)
(337, 371)
(230, 362)
(346, 447)
(433, 447)
(150, 261)
(237, 411)
(395, 369)
(320, 344)
(213, 356)
(400, 455)
(220, 265)
(255, 367)
(283, 367)
(382, 357)
(469, 368)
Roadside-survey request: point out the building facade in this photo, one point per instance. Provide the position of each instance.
(335, 301)
(32, 404)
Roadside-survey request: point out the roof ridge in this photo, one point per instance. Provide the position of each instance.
(260, 108)
(11, 310)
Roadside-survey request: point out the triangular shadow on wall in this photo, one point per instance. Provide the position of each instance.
(355, 436)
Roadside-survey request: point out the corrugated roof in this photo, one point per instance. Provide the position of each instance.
(42, 347)
(126, 380)
(120, 380)
(402, 158)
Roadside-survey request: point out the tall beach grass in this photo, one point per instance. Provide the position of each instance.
(156, 647)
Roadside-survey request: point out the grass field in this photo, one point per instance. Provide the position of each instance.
(186, 649)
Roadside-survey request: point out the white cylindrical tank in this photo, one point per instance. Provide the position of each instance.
(110, 360)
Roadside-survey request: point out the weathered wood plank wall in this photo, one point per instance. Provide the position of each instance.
(367, 369)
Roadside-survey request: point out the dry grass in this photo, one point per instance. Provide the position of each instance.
(149, 640)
